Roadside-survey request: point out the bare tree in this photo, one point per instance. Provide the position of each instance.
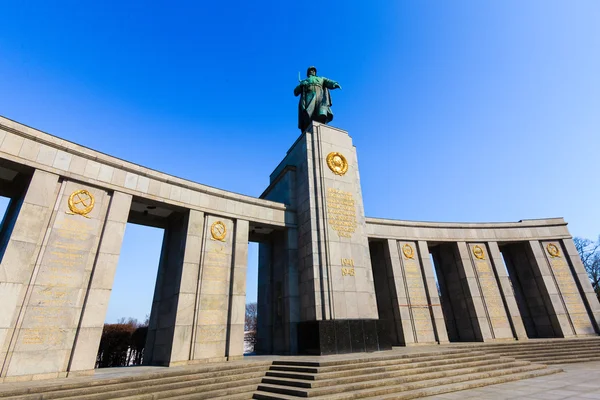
(251, 316)
(250, 327)
(589, 251)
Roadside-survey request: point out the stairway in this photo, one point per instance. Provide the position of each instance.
(393, 376)
(397, 374)
(232, 381)
(545, 351)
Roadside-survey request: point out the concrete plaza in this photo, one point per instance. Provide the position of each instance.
(579, 381)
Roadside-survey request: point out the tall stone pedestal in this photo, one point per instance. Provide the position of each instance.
(336, 303)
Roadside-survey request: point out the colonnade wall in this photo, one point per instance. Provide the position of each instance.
(60, 243)
(440, 282)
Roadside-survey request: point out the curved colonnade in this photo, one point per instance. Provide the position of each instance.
(424, 282)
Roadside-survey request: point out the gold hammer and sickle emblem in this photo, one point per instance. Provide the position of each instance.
(408, 251)
(553, 250)
(218, 231)
(478, 252)
(81, 202)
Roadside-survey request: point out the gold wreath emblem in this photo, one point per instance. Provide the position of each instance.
(81, 202)
(553, 250)
(218, 231)
(337, 163)
(408, 251)
(478, 252)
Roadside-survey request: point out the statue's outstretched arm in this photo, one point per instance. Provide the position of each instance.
(329, 84)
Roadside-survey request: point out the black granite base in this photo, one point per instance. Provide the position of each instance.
(342, 336)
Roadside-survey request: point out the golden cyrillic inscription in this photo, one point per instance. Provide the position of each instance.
(490, 290)
(568, 288)
(341, 212)
(417, 296)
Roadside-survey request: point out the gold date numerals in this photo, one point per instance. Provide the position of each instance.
(347, 267)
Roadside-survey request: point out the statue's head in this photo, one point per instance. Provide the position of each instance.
(311, 71)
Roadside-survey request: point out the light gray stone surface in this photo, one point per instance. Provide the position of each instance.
(52, 308)
(95, 306)
(45, 152)
(579, 381)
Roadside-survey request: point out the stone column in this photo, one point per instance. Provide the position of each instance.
(95, 306)
(581, 277)
(550, 292)
(439, 323)
(212, 320)
(52, 309)
(507, 292)
(493, 318)
(291, 292)
(399, 294)
(21, 252)
(569, 293)
(171, 329)
(264, 328)
(417, 301)
(237, 299)
(479, 320)
(386, 294)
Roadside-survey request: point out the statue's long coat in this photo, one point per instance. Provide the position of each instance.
(315, 101)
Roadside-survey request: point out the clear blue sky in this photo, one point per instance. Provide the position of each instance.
(460, 111)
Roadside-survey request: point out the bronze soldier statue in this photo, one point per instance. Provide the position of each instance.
(315, 101)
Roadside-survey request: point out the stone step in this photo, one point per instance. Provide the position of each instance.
(154, 391)
(546, 353)
(440, 386)
(297, 363)
(484, 358)
(542, 348)
(188, 390)
(233, 393)
(545, 358)
(396, 390)
(472, 384)
(381, 367)
(141, 380)
(377, 362)
(571, 360)
(378, 356)
(442, 353)
(531, 342)
(520, 348)
(304, 370)
(357, 386)
(367, 375)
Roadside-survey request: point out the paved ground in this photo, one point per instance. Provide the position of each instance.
(579, 381)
